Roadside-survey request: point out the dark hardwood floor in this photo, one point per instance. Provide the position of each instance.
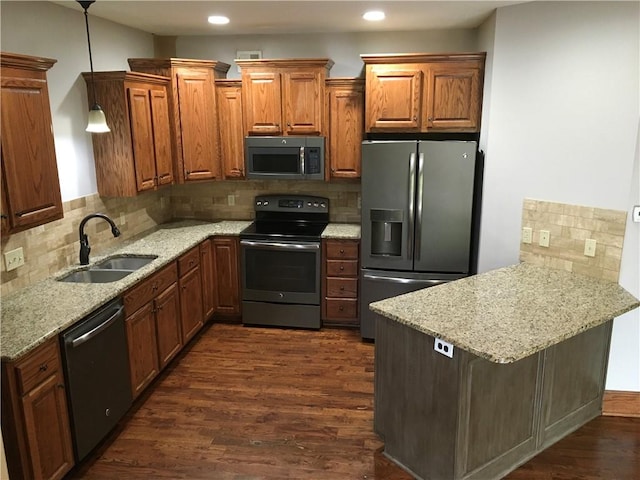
(257, 403)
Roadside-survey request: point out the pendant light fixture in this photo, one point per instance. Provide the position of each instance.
(97, 120)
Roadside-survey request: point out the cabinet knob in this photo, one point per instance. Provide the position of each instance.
(44, 367)
(3, 216)
(342, 251)
(341, 308)
(154, 287)
(341, 267)
(61, 385)
(288, 125)
(415, 119)
(342, 288)
(430, 119)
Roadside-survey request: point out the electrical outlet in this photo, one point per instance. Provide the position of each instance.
(445, 348)
(544, 238)
(636, 213)
(590, 247)
(527, 234)
(231, 200)
(14, 259)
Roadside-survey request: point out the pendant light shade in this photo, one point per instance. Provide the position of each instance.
(97, 120)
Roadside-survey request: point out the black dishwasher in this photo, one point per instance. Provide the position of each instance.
(96, 368)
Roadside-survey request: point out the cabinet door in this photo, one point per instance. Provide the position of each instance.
(142, 138)
(393, 98)
(208, 279)
(231, 127)
(227, 275)
(47, 429)
(143, 351)
(262, 105)
(28, 153)
(191, 315)
(161, 136)
(302, 103)
(198, 126)
(346, 112)
(453, 98)
(167, 309)
(4, 204)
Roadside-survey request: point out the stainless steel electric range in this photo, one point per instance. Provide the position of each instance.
(281, 256)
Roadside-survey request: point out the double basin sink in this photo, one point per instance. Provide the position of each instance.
(109, 270)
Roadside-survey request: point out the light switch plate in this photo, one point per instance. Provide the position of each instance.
(527, 234)
(590, 247)
(14, 259)
(636, 213)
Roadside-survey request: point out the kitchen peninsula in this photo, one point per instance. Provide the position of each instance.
(529, 349)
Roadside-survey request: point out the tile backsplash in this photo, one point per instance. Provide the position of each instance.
(570, 226)
(54, 246)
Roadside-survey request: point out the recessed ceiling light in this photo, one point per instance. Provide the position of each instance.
(218, 19)
(374, 15)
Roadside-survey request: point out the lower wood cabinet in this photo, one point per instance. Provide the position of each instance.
(227, 275)
(340, 282)
(35, 419)
(153, 326)
(208, 279)
(190, 284)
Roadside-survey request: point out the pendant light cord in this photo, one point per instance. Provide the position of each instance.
(93, 83)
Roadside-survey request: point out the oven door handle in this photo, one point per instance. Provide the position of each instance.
(280, 246)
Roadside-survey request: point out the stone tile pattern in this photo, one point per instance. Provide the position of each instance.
(570, 226)
(209, 201)
(507, 314)
(36, 313)
(54, 246)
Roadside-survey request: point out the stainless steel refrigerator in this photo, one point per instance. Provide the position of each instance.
(417, 218)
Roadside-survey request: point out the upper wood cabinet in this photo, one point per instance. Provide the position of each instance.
(31, 189)
(229, 98)
(346, 127)
(135, 155)
(284, 97)
(194, 122)
(423, 93)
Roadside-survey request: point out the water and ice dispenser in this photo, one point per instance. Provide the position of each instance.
(386, 232)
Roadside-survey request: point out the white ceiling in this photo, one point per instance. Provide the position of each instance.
(165, 17)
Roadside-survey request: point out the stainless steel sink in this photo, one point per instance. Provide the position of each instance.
(124, 263)
(95, 276)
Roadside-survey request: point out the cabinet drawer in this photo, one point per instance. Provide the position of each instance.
(189, 261)
(38, 366)
(342, 287)
(342, 308)
(342, 250)
(149, 288)
(342, 268)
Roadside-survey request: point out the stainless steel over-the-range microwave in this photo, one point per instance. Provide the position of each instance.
(288, 158)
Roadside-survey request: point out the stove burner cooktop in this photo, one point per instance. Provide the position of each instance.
(288, 217)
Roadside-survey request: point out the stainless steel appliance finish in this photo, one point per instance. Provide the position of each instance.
(96, 367)
(281, 258)
(287, 158)
(417, 216)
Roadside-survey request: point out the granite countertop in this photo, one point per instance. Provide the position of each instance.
(508, 314)
(36, 313)
(342, 231)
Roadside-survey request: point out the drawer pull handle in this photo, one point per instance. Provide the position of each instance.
(44, 367)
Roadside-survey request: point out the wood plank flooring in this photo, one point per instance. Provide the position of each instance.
(268, 404)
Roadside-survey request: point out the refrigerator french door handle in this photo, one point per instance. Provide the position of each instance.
(419, 206)
(412, 183)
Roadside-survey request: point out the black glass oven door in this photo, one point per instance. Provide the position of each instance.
(281, 272)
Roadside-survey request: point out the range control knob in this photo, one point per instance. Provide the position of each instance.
(322, 205)
(265, 203)
(258, 203)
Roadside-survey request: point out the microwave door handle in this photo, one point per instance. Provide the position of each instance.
(302, 160)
